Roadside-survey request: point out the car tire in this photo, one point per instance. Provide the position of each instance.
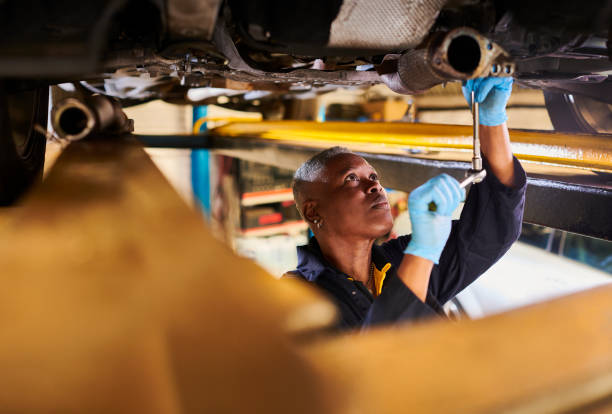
(22, 147)
(578, 114)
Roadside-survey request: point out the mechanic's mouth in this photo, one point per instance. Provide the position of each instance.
(382, 205)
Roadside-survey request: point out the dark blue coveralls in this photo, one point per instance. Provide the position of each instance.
(489, 224)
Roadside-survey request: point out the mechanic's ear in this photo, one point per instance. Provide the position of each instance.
(310, 212)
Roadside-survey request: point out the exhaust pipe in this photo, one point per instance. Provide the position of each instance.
(74, 119)
(460, 54)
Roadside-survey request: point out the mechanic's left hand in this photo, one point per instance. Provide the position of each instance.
(492, 94)
(430, 230)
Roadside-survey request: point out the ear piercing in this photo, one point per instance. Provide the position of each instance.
(318, 222)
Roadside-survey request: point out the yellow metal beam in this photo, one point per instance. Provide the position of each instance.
(586, 151)
(116, 298)
(554, 357)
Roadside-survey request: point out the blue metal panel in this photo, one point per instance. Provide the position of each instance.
(200, 167)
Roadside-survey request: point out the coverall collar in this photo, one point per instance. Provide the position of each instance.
(311, 263)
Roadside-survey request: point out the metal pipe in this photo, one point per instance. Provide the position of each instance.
(460, 54)
(74, 119)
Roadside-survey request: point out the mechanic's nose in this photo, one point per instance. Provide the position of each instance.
(374, 187)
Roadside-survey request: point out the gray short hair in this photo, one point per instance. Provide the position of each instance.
(310, 171)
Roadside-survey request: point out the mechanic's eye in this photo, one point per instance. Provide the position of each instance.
(351, 177)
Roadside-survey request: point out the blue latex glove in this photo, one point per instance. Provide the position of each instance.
(492, 94)
(430, 230)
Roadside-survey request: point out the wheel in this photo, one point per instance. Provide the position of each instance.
(577, 113)
(22, 148)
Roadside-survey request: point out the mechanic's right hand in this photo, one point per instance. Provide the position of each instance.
(430, 230)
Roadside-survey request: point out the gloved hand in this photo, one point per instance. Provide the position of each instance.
(492, 94)
(430, 230)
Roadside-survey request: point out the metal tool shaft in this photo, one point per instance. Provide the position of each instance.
(476, 159)
(477, 173)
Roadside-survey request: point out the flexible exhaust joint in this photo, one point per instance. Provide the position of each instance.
(75, 119)
(460, 54)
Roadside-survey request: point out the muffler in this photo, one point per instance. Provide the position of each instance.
(460, 54)
(74, 119)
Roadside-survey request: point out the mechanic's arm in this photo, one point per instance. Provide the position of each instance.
(435, 269)
(414, 271)
(495, 145)
(405, 293)
(492, 94)
(430, 230)
(492, 216)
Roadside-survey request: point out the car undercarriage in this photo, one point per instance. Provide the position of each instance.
(193, 52)
(136, 50)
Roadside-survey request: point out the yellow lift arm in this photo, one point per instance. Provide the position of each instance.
(584, 151)
(116, 298)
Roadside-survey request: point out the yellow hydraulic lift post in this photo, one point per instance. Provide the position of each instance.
(116, 298)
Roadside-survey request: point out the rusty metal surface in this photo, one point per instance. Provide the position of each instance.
(116, 298)
(492, 60)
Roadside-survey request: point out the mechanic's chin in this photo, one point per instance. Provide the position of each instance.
(381, 222)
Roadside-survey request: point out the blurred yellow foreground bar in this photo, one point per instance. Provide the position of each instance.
(116, 299)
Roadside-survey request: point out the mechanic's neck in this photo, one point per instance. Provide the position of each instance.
(350, 256)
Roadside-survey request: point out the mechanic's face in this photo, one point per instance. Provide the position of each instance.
(351, 202)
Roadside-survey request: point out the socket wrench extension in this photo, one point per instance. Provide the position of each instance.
(476, 174)
(476, 158)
